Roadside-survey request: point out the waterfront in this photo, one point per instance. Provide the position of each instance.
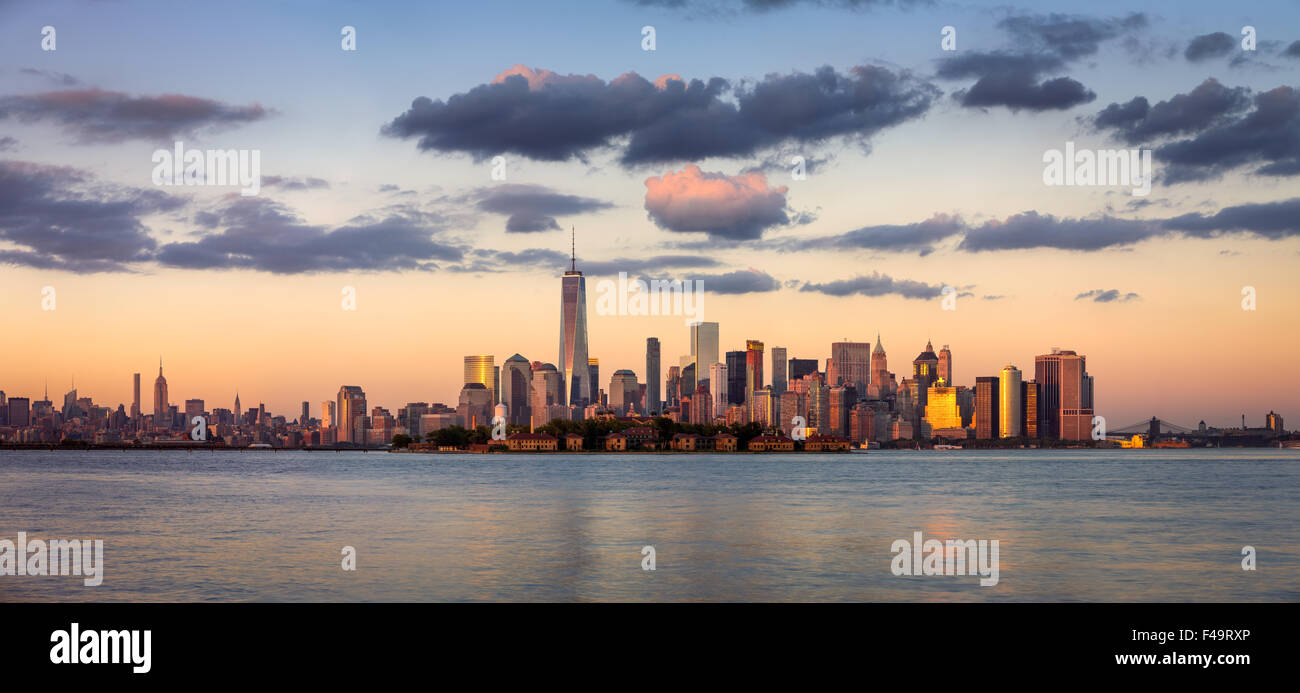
(1074, 525)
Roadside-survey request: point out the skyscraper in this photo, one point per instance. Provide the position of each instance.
(135, 401)
(704, 349)
(986, 407)
(516, 375)
(573, 334)
(879, 387)
(326, 413)
(1010, 406)
(852, 364)
(1063, 385)
(753, 372)
(801, 367)
(548, 392)
(593, 380)
(623, 390)
(350, 409)
(653, 402)
(1031, 420)
(925, 370)
(779, 372)
(945, 365)
(479, 369)
(161, 415)
(735, 377)
(305, 418)
(718, 385)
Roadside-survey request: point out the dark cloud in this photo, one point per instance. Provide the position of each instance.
(97, 116)
(62, 218)
(738, 282)
(920, 237)
(1267, 137)
(264, 235)
(7, 143)
(549, 117)
(1210, 103)
(1045, 45)
(1107, 296)
(875, 285)
(288, 183)
(1033, 230)
(716, 6)
(1209, 46)
(533, 207)
(1293, 50)
(1272, 220)
(652, 265)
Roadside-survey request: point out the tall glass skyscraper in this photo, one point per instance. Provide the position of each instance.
(704, 349)
(652, 398)
(573, 336)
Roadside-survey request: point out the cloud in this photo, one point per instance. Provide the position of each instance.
(1033, 230)
(920, 237)
(263, 235)
(62, 218)
(738, 282)
(533, 207)
(1208, 104)
(1107, 296)
(98, 116)
(1271, 220)
(548, 117)
(737, 207)
(1267, 137)
(7, 143)
(1209, 46)
(1045, 44)
(287, 183)
(652, 265)
(875, 285)
(1293, 50)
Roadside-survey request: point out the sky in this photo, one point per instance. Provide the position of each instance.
(924, 169)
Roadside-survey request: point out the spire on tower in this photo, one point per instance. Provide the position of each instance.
(573, 249)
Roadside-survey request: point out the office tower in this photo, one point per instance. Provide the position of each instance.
(780, 374)
(841, 399)
(1010, 407)
(516, 375)
(753, 372)
(573, 335)
(623, 389)
(671, 383)
(852, 364)
(880, 385)
(862, 423)
(942, 410)
(793, 403)
(548, 391)
(735, 377)
(925, 370)
(686, 384)
(593, 380)
(818, 406)
(70, 408)
(350, 409)
(305, 417)
(1030, 419)
(480, 369)
(702, 405)
(135, 400)
(718, 385)
(161, 417)
(986, 408)
(800, 368)
(326, 414)
(1063, 385)
(411, 413)
(762, 412)
(239, 413)
(474, 406)
(945, 365)
(653, 401)
(1273, 422)
(832, 373)
(704, 348)
(20, 412)
(4, 409)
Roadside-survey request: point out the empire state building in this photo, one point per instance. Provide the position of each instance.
(573, 333)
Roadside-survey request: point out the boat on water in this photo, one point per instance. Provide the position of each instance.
(941, 446)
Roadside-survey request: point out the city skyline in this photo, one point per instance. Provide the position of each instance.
(369, 195)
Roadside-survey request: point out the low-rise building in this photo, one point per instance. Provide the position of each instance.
(825, 444)
(768, 443)
(531, 442)
(616, 442)
(572, 442)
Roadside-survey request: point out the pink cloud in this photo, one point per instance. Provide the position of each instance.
(733, 207)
